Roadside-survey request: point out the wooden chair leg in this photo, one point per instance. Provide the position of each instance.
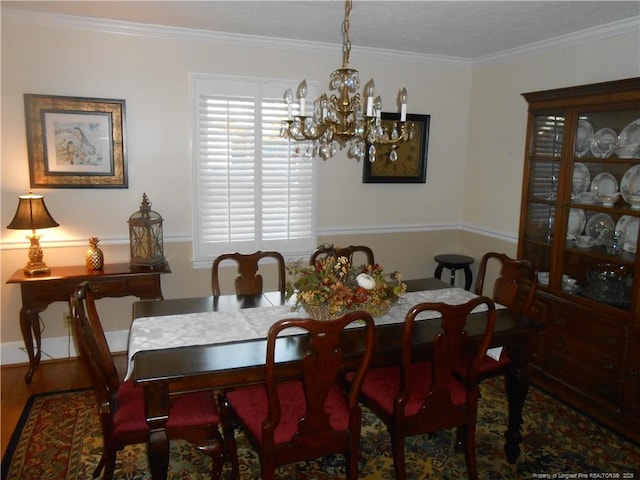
(98, 469)
(228, 431)
(214, 450)
(352, 457)
(470, 451)
(397, 444)
(109, 465)
(460, 445)
(268, 469)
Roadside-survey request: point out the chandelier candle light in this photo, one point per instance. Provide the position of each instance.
(341, 119)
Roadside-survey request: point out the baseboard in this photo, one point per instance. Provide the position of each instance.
(57, 347)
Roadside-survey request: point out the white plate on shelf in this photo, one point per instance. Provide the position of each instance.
(583, 138)
(630, 183)
(598, 224)
(628, 145)
(576, 223)
(604, 184)
(603, 142)
(629, 226)
(586, 198)
(581, 178)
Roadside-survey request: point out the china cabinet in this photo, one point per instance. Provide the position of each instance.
(579, 223)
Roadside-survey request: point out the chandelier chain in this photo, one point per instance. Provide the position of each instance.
(346, 47)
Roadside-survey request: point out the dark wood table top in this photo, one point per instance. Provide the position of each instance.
(241, 363)
(81, 272)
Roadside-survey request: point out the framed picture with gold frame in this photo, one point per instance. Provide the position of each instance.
(75, 142)
(411, 164)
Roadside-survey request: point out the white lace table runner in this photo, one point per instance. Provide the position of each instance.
(206, 328)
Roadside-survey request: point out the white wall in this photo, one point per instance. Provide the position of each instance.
(498, 118)
(150, 69)
(475, 148)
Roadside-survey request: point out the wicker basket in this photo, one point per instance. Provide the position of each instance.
(380, 310)
(321, 312)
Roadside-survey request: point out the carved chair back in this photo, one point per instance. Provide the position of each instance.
(248, 281)
(328, 250)
(508, 288)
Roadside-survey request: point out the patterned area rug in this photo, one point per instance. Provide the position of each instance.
(59, 438)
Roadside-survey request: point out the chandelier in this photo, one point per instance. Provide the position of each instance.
(345, 117)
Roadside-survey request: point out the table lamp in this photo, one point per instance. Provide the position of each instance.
(32, 214)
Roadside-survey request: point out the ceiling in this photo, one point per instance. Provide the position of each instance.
(462, 29)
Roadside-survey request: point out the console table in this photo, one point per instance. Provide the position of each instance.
(39, 291)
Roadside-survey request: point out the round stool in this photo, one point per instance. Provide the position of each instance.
(453, 263)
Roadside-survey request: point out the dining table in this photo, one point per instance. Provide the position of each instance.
(214, 343)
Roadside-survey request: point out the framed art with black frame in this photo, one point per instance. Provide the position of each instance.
(411, 164)
(76, 142)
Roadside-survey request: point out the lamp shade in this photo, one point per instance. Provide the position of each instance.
(32, 214)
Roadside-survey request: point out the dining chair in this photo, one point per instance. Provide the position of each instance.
(248, 281)
(193, 417)
(310, 416)
(512, 275)
(423, 396)
(329, 250)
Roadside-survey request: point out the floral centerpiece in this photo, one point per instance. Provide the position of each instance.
(333, 287)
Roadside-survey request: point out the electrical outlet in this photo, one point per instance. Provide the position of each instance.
(66, 318)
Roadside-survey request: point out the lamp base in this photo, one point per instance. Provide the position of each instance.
(36, 268)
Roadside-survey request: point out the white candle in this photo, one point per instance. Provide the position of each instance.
(302, 94)
(403, 104)
(370, 91)
(288, 97)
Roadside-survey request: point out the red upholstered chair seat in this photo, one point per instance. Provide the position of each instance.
(382, 384)
(189, 410)
(488, 366)
(251, 407)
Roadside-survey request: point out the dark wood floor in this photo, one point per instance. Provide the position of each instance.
(51, 376)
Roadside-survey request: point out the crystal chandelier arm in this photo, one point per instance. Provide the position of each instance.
(302, 134)
(375, 135)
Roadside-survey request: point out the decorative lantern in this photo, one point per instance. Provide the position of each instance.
(145, 237)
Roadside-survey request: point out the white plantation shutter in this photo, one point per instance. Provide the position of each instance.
(251, 192)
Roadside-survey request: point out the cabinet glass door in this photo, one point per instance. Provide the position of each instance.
(603, 216)
(542, 190)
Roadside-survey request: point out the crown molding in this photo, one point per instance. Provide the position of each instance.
(614, 29)
(219, 38)
(621, 27)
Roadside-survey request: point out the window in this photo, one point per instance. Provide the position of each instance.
(252, 192)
